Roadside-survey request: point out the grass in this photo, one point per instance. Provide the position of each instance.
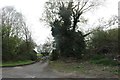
(15, 63)
(85, 68)
(39, 55)
(66, 67)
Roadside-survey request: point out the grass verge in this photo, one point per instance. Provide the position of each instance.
(15, 63)
(66, 67)
(85, 68)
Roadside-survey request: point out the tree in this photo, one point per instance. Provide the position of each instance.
(12, 20)
(104, 38)
(46, 48)
(63, 18)
(0, 43)
(11, 31)
(100, 34)
(15, 35)
(105, 43)
(25, 51)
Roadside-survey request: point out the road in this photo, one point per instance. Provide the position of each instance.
(36, 70)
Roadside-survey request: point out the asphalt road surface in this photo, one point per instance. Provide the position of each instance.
(36, 70)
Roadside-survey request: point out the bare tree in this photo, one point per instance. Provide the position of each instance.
(12, 20)
(77, 7)
(46, 48)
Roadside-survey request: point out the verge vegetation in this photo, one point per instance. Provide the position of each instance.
(16, 63)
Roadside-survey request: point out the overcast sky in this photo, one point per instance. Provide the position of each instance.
(33, 9)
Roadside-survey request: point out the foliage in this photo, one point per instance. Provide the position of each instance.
(54, 55)
(16, 63)
(9, 48)
(101, 59)
(105, 41)
(46, 48)
(25, 51)
(103, 46)
(63, 18)
(17, 43)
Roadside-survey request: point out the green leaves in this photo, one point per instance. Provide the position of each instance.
(107, 38)
(16, 38)
(69, 43)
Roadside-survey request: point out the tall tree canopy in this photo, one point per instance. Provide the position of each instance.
(63, 17)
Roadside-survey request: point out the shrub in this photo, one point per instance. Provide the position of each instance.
(100, 59)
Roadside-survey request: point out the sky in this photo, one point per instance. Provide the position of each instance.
(32, 10)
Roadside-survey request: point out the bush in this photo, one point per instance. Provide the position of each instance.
(105, 41)
(54, 55)
(33, 56)
(100, 59)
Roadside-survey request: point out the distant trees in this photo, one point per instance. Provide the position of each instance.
(46, 48)
(63, 17)
(15, 35)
